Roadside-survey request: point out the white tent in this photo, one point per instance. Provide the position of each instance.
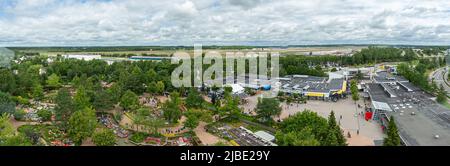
(266, 136)
(237, 89)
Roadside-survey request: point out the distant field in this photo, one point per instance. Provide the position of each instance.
(170, 51)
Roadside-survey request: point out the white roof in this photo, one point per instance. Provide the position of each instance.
(336, 75)
(381, 106)
(266, 136)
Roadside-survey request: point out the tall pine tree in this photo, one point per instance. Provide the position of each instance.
(64, 107)
(335, 136)
(392, 139)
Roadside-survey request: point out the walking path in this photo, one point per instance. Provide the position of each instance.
(205, 137)
(16, 124)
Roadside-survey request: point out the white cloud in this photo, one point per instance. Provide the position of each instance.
(185, 22)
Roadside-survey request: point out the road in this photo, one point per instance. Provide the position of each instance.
(440, 76)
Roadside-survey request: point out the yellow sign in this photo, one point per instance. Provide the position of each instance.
(315, 94)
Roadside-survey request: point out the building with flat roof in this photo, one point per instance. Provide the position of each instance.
(388, 78)
(420, 119)
(314, 87)
(82, 57)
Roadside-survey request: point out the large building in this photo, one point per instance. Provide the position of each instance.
(420, 119)
(314, 87)
(82, 57)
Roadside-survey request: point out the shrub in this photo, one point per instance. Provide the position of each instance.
(19, 114)
(138, 137)
(45, 115)
(22, 101)
(104, 137)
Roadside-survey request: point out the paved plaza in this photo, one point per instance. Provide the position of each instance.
(351, 121)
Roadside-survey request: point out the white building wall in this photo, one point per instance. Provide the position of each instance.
(83, 57)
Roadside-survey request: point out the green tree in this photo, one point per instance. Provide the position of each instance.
(267, 108)
(38, 91)
(115, 92)
(7, 105)
(191, 122)
(138, 121)
(393, 138)
(335, 136)
(442, 95)
(26, 78)
(129, 101)
(306, 128)
(202, 115)
(7, 81)
(53, 81)
(104, 137)
(305, 137)
(151, 88)
(154, 124)
(137, 80)
(81, 125)
(81, 99)
(9, 136)
(354, 90)
(194, 99)
(19, 114)
(230, 105)
(151, 76)
(64, 107)
(103, 101)
(160, 87)
(76, 82)
(45, 115)
(172, 112)
(145, 112)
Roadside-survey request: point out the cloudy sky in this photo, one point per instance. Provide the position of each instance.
(223, 22)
